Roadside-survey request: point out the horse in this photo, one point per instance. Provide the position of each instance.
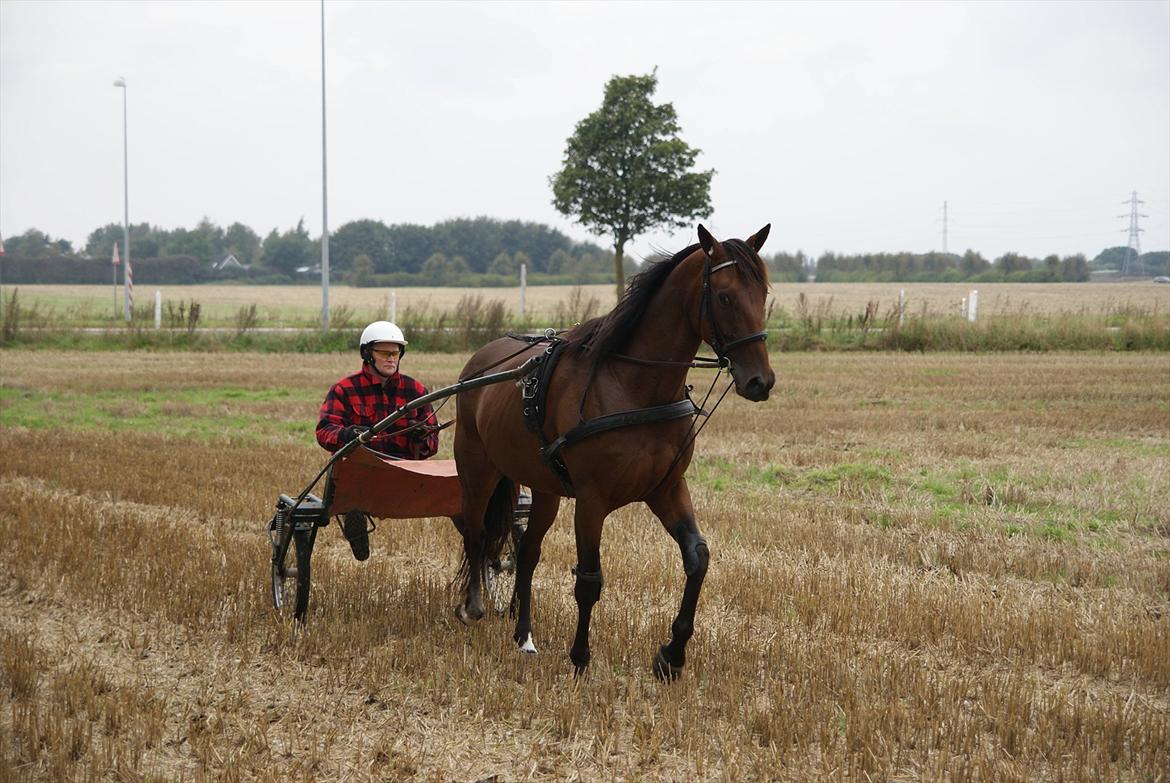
(609, 369)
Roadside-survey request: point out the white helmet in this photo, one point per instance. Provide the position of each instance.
(382, 332)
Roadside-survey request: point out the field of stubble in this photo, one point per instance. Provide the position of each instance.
(291, 306)
(924, 567)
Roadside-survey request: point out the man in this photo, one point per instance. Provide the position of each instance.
(359, 401)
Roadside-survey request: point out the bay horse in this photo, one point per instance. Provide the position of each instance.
(634, 358)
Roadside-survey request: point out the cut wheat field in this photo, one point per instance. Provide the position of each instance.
(300, 306)
(923, 567)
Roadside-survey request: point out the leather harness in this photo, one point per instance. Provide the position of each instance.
(534, 391)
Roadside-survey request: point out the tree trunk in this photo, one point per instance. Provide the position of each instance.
(618, 249)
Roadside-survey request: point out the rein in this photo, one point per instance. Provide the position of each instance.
(535, 383)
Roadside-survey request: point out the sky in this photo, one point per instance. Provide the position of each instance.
(845, 126)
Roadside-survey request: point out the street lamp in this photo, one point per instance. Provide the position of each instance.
(324, 193)
(121, 82)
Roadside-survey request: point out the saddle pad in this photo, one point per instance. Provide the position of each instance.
(395, 489)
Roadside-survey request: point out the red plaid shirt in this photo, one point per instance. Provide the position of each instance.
(364, 399)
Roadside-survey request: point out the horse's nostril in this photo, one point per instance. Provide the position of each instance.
(757, 388)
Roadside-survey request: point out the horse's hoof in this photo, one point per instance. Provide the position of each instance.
(664, 670)
(466, 617)
(528, 648)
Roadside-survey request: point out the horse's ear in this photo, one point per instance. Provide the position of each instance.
(756, 240)
(710, 244)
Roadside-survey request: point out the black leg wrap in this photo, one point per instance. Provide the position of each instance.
(695, 554)
(588, 586)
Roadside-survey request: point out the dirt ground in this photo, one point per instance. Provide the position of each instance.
(924, 567)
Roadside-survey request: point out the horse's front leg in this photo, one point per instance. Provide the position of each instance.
(540, 519)
(672, 506)
(588, 521)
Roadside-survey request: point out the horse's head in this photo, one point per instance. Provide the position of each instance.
(731, 313)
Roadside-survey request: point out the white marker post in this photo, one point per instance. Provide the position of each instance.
(901, 305)
(972, 305)
(523, 286)
(157, 309)
(393, 307)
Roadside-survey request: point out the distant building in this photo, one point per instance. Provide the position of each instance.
(228, 262)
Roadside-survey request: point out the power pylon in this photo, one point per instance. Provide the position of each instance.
(1131, 264)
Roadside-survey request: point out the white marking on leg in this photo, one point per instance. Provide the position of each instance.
(528, 648)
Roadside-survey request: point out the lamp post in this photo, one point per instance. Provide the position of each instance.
(324, 193)
(121, 82)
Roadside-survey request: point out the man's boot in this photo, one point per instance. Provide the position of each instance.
(357, 533)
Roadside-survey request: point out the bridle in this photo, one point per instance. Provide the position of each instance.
(718, 341)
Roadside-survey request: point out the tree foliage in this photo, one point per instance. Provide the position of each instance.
(948, 268)
(37, 244)
(289, 251)
(626, 171)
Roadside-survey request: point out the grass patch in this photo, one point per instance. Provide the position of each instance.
(200, 413)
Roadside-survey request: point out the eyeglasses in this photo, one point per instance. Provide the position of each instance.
(386, 354)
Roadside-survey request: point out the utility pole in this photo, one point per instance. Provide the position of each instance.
(1131, 264)
(324, 193)
(127, 302)
(944, 227)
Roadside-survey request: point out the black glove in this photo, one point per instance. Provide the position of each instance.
(350, 433)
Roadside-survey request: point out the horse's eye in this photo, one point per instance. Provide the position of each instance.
(724, 299)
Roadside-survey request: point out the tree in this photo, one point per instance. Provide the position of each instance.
(144, 241)
(361, 272)
(502, 265)
(1074, 269)
(204, 242)
(370, 238)
(1111, 258)
(445, 271)
(289, 251)
(242, 242)
(521, 259)
(972, 263)
(558, 262)
(1009, 263)
(626, 171)
(37, 244)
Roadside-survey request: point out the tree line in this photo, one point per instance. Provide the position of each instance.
(477, 251)
(362, 252)
(950, 268)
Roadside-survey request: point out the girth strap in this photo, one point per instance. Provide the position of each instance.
(613, 421)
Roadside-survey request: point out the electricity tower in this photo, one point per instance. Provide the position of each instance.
(1131, 264)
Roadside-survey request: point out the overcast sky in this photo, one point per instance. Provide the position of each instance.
(845, 126)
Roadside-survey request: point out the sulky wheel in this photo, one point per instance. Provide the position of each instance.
(290, 577)
(499, 575)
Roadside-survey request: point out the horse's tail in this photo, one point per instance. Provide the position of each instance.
(497, 526)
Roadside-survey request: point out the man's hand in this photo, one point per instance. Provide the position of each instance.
(423, 431)
(350, 433)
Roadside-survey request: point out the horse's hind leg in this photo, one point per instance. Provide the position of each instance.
(672, 506)
(478, 480)
(587, 522)
(540, 519)
(470, 577)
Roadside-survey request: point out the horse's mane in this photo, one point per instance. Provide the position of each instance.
(606, 334)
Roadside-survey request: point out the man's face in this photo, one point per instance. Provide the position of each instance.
(386, 356)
